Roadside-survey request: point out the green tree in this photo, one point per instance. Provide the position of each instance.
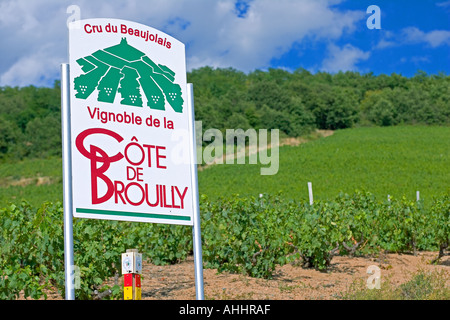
(10, 138)
(43, 136)
(237, 121)
(382, 113)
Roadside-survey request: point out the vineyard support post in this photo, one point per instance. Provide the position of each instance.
(196, 233)
(69, 269)
(417, 195)
(310, 193)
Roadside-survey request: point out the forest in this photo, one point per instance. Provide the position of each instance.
(296, 103)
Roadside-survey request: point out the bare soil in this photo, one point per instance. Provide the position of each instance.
(290, 282)
(23, 182)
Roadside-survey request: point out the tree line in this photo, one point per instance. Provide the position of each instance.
(293, 102)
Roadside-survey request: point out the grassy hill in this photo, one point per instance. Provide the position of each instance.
(33, 180)
(382, 160)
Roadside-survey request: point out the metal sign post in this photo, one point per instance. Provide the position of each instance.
(126, 101)
(67, 183)
(196, 203)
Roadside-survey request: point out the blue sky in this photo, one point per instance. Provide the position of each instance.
(403, 45)
(317, 35)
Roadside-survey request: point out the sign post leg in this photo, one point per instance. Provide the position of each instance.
(196, 232)
(69, 268)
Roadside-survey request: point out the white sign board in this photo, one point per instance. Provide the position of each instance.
(129, 122)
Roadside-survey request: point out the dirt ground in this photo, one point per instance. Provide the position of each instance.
(290, 282)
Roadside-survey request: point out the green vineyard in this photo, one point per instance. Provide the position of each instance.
(390, 136)
(242, 235)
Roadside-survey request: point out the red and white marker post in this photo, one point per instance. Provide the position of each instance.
(131, 270)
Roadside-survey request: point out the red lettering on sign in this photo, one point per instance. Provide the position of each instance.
(97, 155)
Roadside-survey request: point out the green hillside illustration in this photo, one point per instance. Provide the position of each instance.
(124, 69)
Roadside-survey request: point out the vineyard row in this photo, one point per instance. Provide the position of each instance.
(243, 235)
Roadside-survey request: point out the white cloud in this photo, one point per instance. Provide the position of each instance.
(343, 59)
(383, 44)
(433, 38)
(33, 42)
(413, 35)
(445, 4)
(35, 33)
(38, 67)
(268, 30)
(387, 40)
(419, 60)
